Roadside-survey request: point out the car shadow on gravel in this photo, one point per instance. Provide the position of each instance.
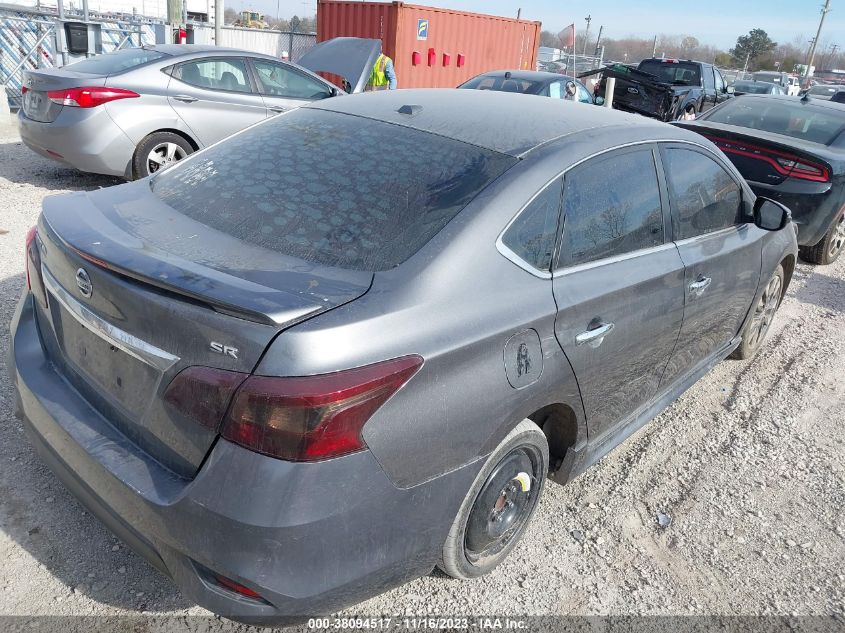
(43, 518)
(21, 165)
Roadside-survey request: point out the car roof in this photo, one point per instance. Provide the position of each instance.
(526, 75)
(182, 50)
(508, 123)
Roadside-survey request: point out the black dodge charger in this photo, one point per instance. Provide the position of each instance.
(791, 150)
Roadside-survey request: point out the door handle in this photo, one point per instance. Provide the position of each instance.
(185, 98)
(698, 287)
(277, 109)
(595, 336)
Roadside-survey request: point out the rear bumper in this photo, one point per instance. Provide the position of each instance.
(309, 538)
(814, 206)
(84, 138)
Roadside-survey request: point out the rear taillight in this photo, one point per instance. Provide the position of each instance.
(787, 165)
(31, 254)
(203, 394)
(24, 90)
(238, 588)
(313, 417)
(89, 97)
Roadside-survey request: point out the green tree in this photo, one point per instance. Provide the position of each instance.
(757, 44)
(295, 24)
(724, 60)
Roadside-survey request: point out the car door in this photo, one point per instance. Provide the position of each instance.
(721, 250)
(709, 82)
(721, 86)
(214, 96)
(282, 87)
(618, 284)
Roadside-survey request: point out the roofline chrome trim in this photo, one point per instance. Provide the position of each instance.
(508, 254)
(132, 345)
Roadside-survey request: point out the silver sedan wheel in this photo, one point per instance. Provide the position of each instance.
(837, 240)
(765, 312)
(163, 156)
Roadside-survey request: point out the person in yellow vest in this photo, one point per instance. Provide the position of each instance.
(383, 76)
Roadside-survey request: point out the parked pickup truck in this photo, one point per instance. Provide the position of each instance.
(665, 89)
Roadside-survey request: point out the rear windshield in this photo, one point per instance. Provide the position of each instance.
(817, 124)
(116, 62)
(678, 73)
(826, 91)
(332, 189)
(501, 84)
(753, 87)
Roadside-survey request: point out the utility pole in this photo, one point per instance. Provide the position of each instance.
(654, 47)
(588, 19)
(218, 22)
(598, 41)
(813, 46)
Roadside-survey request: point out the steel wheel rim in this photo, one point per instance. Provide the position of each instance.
(837, 240)
(163, 156)
(766, 309)
(502, 508)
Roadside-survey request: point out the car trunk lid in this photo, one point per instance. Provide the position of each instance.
(39, 83)
(351, 58)
(130, 306)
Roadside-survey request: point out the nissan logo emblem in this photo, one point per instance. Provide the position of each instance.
(83, 282)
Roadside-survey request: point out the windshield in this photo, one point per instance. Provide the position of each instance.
(330, 188)
(817, 124)
(116, 62)
(678, 73)
(753, 87)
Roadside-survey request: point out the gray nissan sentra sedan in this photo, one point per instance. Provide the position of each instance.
(351, 343)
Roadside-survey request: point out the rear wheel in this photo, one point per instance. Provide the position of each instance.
(158, 151)
(499, 504)
(830, 247)
(764, 313)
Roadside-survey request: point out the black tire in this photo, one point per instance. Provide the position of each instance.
(758, 326)
(163, 143)
(498, 501)
(831, 245)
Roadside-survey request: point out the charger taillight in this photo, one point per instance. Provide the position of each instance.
(89, 97)
(787, 165)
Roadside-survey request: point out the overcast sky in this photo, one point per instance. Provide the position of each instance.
(717, 22)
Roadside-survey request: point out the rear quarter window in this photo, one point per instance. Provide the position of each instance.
(332, 189)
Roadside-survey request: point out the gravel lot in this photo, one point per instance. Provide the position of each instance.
(749, 465)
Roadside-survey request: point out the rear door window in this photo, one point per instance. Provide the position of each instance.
(215, 73)
(531, 236)
(330, 188)
(703, 196)
(611, 206)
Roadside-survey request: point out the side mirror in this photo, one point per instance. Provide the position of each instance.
(770, 215)
(730, 90)
(599, 100)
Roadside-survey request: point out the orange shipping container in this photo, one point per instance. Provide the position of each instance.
(431, 47)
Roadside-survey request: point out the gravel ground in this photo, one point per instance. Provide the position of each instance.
(731, 502)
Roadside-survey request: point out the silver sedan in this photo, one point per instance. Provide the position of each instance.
(135, 111)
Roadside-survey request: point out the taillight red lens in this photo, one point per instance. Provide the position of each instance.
(313, 417)
(24, 90)
(89, 97)
(203, 394)
(30, 254)
(787, 165)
